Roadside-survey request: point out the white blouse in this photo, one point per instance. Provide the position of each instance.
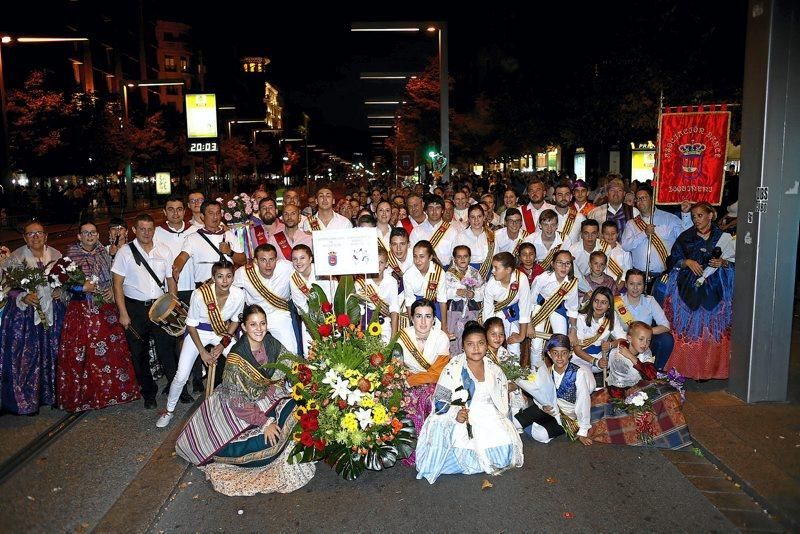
(495, 292)
(437, 344)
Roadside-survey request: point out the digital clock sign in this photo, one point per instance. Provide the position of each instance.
(206, 145)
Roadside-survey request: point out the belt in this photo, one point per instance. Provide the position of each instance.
(142, 302)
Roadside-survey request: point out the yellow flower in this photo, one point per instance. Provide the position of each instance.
(297, 391)
(354, 374)
(375, 329)
(531, 377)
(312, 405)
(367, 401)
(295, 368)
(349, 422)
(299, 412)
(330, 319)
(379, 415)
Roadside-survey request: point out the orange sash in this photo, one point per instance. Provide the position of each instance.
(431, 374)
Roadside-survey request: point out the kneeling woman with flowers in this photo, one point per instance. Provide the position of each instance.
(470, 431)
(241, 436)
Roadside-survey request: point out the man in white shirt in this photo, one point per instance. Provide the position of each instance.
(581, 250)
(416, 213)
(135, 290)
(615, 210)
(509, 239)
(534, 208)
(569, 219)
(441, 234)
(326, 218)
(461, 207)
(207, 245)
(196, 199)
(266, 282)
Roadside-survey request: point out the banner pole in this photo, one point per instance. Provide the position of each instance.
(655, 190)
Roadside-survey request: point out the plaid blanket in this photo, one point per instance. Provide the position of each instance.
(613, 425)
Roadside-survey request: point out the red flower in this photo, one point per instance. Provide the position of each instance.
(309, 422)
(304, 374)
(307, 439)
(325, 330)
(342, 404)
(326, 307)
(376, 359)
(319, 444)
(314, 387)
(343, 320)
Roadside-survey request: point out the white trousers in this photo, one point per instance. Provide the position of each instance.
(281, 328)
(559, 325)
(189, 354)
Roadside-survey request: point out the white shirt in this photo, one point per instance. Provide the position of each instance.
(338, 222)
(386, 290)
(581, 410)
(541, 249)
(461, 217)
(454, 284)
(198, 311)
(634, 240)
(580, 257)
(478, 244)
(495, 292)
(575, 231)
(299, 298)
(621, 372)
(546, 284)
(138, 283)
(437, 344)
(647, 311)
(174, 240)
(504, 243)
(278, 283)
(621, 256)
(585, 332)
(444, 250)
(536, 212)
(202, 256)
(415, 283)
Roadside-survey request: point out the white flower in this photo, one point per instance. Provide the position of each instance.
(331, 377)
(364, 416)
(354, 397)
(637, 399)
(340, 389)
(71, 267)
(460, 396)
(66, 258)
(25, 281)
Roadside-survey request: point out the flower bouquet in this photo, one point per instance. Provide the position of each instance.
(349, 394)
(674, 379)
(638, 404)
(470, 283)
(236, 214)
(29, 279)
(67, 272)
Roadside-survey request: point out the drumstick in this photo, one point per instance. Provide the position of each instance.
(135, 333)
(212, 368)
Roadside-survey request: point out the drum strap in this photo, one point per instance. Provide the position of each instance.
(137, 256)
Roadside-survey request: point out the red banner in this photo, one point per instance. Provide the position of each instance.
(691, 156)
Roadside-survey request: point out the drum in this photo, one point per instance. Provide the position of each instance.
(170, 314)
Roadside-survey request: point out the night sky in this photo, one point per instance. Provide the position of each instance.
(316, 60)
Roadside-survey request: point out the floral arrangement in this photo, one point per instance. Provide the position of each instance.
(238, 209)
(470, 283)
(514, 371)
(28, 279)
(675, 379)
(638, 404)
(349, 394)
(67, 272)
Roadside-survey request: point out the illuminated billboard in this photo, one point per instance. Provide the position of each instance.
(642, 163)
(201, 116)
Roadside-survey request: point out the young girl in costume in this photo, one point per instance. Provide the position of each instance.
(464, 294)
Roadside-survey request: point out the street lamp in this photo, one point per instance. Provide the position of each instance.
(5, 167)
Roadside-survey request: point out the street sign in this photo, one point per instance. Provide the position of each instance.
(163, 183)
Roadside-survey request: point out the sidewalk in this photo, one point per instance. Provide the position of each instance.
(757, 444)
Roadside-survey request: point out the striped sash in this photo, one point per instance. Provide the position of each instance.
(600, 331)
(492, 356)
(368, 290)
(433, 282)
(487, 262)
(573, 213)
(545, 263)
(214, 313)
(391, 259)
(437, 236)
(455, 272)
(622, 310)
(612, 264)
(661, 248)
(300, 283)
(313, 222)
(554, 301)
(513, 288)
(255, 278)
(406, 341)
(522, 235)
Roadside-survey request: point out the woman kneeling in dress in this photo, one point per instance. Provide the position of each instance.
(245, 427)
(469, 431)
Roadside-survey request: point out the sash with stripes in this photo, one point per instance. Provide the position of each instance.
(527, 218)
(274, 300)
(622, 310)
(437, 236)
(600, 331)
(369, 291)
(573, 213)
(455, 272)
(661, 248)
(214, 313)
(313, 222)
(433, 282)
(391, 259)
(487, 261)
(405, 339)
(300, 283)
(513, 288)
(612, 264)
(545, 263)
(492, 356)
(283, 244)
(522, 235)
(554, 301)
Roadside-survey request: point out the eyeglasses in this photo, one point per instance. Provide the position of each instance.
(563, 263)
(35, 233)
(513, 221)
(91, 233)
(196, 200)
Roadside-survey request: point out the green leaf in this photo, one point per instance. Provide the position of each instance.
(353, 309)
(345, 289)
(316, 297)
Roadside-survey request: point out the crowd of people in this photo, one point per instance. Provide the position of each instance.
(595, 291)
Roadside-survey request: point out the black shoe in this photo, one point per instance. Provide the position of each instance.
(198, 387)
(185, 398)
(150, 403)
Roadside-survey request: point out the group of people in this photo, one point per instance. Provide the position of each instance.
(586, 296)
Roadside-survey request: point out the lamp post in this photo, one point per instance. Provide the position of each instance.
(5, 165)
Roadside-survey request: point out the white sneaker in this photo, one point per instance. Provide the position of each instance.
(164, 419)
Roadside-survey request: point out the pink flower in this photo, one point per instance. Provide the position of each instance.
(228, 217)
(237, 214)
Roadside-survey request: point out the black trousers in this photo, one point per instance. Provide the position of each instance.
(140, 347)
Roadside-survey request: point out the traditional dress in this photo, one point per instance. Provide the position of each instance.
(380, 301)
(441, 235)
(445, 446)
(225, 436)
(424, 365)
(591, 338)
(505, 243)
(619, 260)
(460, 309)
(300, 289)
(94, 363)
(553, 303)
(512, 304)
(337, 222)
(545, 254)
(211, 322)
(664, 423)
(482, 249)
(431, 286)
(273, 295)
(28, 349)
(700, 313)
(573, 398)
(516, 400)
(569, 225)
